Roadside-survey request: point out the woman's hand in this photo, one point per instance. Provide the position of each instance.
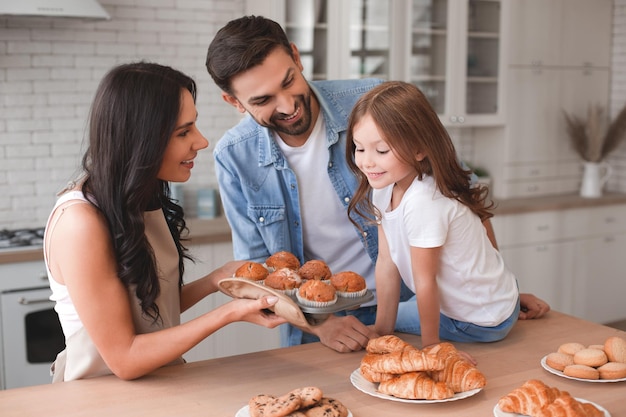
(256, 311)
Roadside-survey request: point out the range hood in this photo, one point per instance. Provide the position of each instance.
(89, 9)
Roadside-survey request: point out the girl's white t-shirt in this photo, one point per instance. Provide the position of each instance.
(474, 284)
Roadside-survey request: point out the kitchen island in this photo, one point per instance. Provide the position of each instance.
(221, 387)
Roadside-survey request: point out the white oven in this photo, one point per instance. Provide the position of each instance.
(30, 333)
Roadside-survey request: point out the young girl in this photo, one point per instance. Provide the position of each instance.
(431, 234)
(113, 240)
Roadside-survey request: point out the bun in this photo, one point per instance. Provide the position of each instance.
(571, 348)
(348, 282)
(612, 370)
(283, 259)
(283, 279)
(315, 269)
(559, 361)
(590, 357)
(581, 371)
(316, 293)
(615, 348)
(252, 270)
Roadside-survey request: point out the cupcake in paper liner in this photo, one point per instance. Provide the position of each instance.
(348, 284)
(284, 280)
(253, 271)
(315, 293)
(315, 269)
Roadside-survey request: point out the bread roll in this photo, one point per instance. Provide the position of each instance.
(558, 360)
(612, 370)
(581, 371)
(615, 348)
(571, 348)
(590, 357)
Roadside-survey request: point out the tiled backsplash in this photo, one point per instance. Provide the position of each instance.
(50, 68)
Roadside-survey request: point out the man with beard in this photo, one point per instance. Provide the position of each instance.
(283, 177)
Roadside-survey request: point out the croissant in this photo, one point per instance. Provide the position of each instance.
(368, 373)
(387, 344)
(415, 386)
(528, 399)
(409, 360)
(459, 374)
(567, 406)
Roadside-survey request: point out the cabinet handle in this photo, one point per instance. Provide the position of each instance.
(25, 301)
(461, 119)
(453, 119)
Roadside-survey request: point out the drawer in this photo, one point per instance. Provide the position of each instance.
(520, 229)
(607, 220)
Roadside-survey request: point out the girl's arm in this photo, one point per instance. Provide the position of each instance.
(387, 287)
(81, 257)
(425, 265)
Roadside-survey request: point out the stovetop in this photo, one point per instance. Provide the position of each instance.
(21, 238)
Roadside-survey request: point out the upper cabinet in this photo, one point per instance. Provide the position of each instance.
(451, 49)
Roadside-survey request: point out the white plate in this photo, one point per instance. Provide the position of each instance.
(245, 412)
(561, 374)
(367, 387)
(499, 413)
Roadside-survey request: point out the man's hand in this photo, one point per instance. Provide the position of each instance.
(344, 334)
(532, 307)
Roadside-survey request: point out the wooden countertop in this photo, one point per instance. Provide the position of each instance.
(206, 231)
(221, 387)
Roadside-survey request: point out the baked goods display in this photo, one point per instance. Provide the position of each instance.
(536, 399)
(252, 270)
(315, 269)
(348, 284)
(314, 293)
(283, 279)
(403, 371)
(596, 362)
(300, 402)
(282, 259)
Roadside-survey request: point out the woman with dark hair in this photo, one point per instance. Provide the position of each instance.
(430, 234)
(113, 246)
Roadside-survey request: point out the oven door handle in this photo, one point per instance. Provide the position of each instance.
(25, 301)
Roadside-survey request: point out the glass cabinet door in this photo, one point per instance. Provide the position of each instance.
(429, 39)
(369, 38)
(483, 44)
(306, 25)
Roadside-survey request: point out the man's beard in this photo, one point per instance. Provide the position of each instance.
(299, 128)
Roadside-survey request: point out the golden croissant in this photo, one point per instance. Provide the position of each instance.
(458, 373)
(368, 373)
(567, 406)
(415, 386)
(408, 360)
(387, 344)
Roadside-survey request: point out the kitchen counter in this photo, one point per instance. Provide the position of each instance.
(221, 387)
(206, 231)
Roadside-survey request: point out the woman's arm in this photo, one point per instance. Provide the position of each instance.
(196, 290)
(387, 287)
(81, 257)
(425, 265)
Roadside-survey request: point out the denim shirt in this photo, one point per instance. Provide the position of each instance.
(259, 191)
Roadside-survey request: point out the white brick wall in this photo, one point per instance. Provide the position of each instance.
(618, 93)
(49, 69)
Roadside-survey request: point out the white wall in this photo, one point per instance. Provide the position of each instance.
(50, 68)
(618, 92)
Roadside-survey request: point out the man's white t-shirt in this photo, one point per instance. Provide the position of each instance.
(474, 284)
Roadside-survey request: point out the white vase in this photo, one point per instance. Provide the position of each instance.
(595, 175)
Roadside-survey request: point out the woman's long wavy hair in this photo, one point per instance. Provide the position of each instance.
(409, 125)
(133, 116)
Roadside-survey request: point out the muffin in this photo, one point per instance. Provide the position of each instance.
(315, 269)
(283, 259)
(348, 284)
(315, 293)
(252, 270)
(283, 279)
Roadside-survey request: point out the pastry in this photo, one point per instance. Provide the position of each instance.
(314, 293)
(612, 370)
(368, 373)
(558, 360)
(283, 279)
(615, 348)
(327, 407)
(416, 386)
(409, 360)
(566, 405)
(590, 357)
(308, 395)
(571, 348)
(315, 269)
(252, 270)
(348, 284)
(457, 372)
(601, 347)
(283, 259)
(529, 398)
(267, 405)
(387, 344)
(581, 371)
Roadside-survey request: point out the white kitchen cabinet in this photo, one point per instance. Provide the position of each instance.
(451, 49)
(236, 338)
(573, 258)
